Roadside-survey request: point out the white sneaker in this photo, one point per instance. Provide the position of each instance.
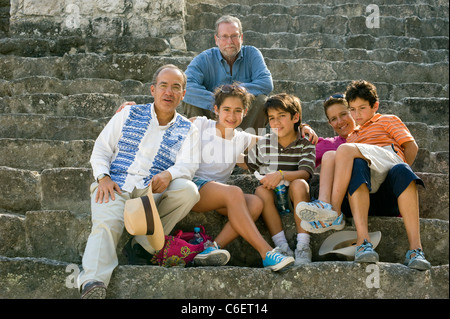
(316, 210)
(303, 255)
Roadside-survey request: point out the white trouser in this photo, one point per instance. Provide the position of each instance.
(100, 257)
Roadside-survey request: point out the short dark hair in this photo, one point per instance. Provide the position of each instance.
(362, 89)
(286, 102)
(169, 66)
(334, 99)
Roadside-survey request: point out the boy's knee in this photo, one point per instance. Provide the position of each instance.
(256, 206)
(235, 191)
(299, 186)
(346, 150)
(299, 183)
(262, 192)
(328, 156)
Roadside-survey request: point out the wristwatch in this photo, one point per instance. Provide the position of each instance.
(101, 176)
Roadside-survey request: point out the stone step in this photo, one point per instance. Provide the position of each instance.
(65, 128)
(365, 47)
(141, 68)
(385, 55)
(68, 189)
(329, 3)
(334, 23)
(90, 105)
(318, 91)
(38, 154)
(400, 10)
(97, 106)
(119, 67)
(53, 85)
(48, 92)
(49, 279)
(29, 45)
(200, 40)
(49, 127)
(394, 72)
(62, 235)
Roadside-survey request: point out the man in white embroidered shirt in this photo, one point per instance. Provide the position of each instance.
(142, 143)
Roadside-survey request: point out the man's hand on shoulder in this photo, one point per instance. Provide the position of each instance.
(125, 104)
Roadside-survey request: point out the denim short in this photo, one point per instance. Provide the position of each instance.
(200, 182)
(384, 201)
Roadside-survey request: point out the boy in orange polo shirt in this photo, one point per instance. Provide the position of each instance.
(386, 144)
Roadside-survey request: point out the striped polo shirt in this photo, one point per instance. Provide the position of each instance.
(383, 130)
(268, 156)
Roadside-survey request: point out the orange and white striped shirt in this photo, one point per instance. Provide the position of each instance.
(383, 130)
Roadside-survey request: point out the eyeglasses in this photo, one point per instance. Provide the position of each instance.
(233, 38)
(336, 96)
(228, 88)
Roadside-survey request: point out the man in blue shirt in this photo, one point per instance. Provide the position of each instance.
(229, 62)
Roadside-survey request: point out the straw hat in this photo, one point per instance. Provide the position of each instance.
(141, 217)
(344, 243)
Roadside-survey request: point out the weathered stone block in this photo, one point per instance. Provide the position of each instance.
(39, 7)
(90, 105)
(311, 70)
(57, 235)
(19, 189)
(38, 103)
(434, 199)
(12, 235)
(34, 126)
(66, 188)
(41, 154)
(42, 278)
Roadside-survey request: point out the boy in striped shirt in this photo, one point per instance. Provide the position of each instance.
(284, 156)
(385, 143)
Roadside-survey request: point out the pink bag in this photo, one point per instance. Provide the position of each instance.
(177, 250)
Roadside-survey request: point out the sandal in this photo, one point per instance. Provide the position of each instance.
(318, 226)
(315, 210)
(415, 259)
(365, 253)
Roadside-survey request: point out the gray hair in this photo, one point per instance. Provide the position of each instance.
(228, 19)
(169, 66)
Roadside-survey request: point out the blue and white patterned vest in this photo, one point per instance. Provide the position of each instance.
(133, 131)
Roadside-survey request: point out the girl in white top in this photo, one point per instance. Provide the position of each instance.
(221, 145)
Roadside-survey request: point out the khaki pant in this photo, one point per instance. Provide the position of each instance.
(255, 117)
(100, 258)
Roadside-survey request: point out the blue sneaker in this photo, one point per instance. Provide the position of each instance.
(212, 256)
(415, 259)
(316, 210)
(320, 226)
(365, 253)
(276, 261)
